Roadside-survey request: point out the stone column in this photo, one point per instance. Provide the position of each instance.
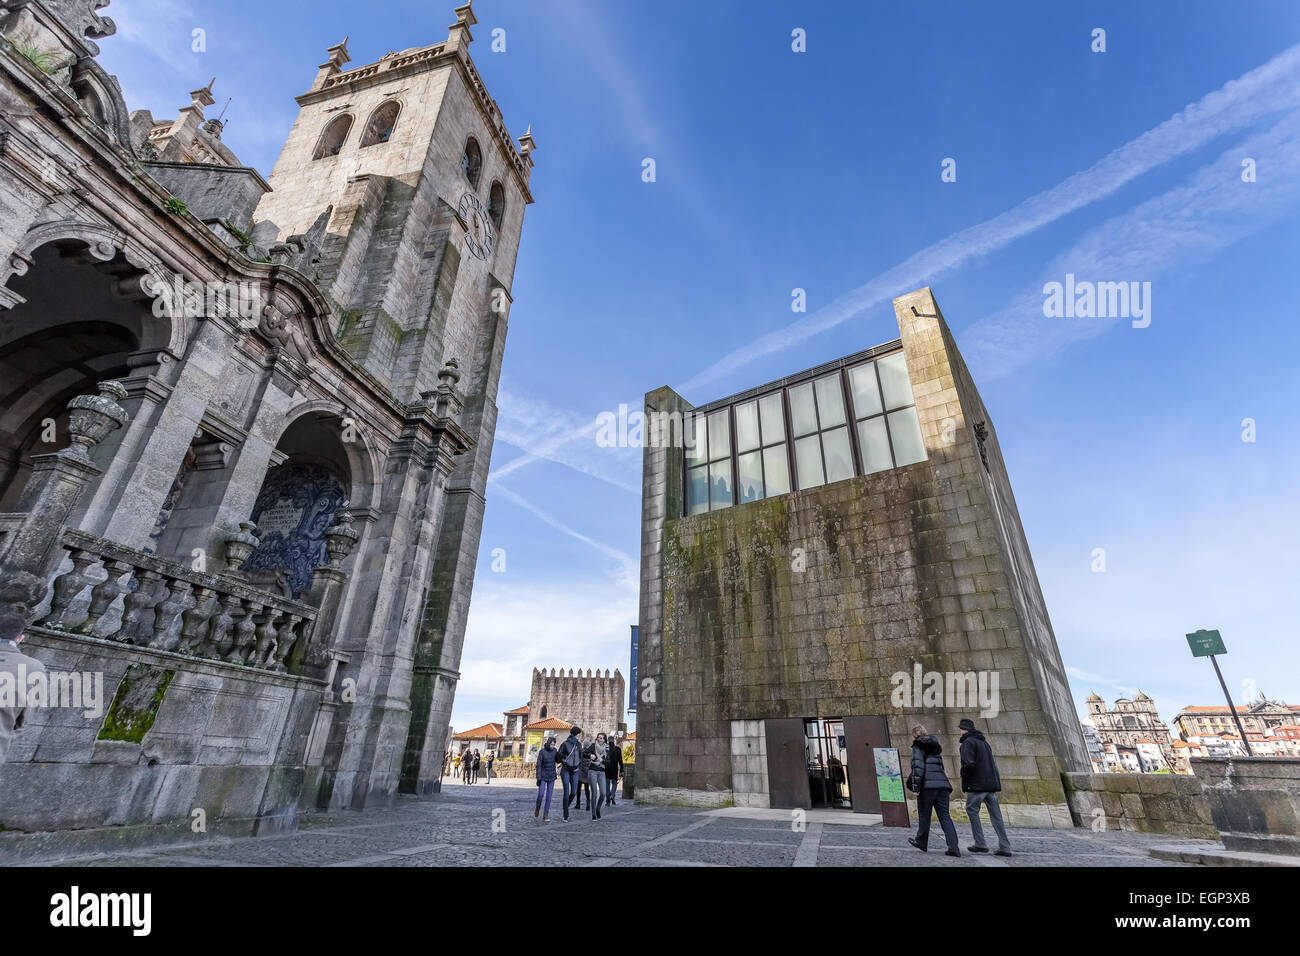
(57, 481)
(137, 483)
(391, 576)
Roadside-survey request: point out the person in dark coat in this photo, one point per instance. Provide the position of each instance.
(476, 763)
(982, 783)
(546, 762)
(569, 757)
(584, 778)
(466, 765)
(932, 788)
(613, 770)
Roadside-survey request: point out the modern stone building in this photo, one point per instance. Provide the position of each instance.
(824, 541)
(245, 427)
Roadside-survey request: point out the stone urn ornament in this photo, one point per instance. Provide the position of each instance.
(240, 545)
(91, 418)
(340, 537)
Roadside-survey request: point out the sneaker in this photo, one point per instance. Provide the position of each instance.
(977, 849)
(546, 818)
(1002, 853)
(912, 840)
(953, 853)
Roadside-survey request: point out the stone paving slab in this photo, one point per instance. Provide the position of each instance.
(482, 826)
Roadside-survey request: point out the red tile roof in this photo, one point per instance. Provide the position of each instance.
(517, 710)
(490, 731)
(550, 723)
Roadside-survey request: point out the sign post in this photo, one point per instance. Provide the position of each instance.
(1207, 644)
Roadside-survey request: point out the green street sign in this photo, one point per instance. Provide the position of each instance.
(1205, 643)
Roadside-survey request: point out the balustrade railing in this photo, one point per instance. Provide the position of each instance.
(168, 606)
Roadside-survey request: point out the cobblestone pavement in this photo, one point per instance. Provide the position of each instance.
(491, 826)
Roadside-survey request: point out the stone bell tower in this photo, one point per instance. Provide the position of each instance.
(401, 188)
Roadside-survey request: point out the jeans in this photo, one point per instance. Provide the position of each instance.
(611, 785)
(596, 778)
(569, 782)
(489, 773)
(545, 787)
(936, 800)
(973, 801)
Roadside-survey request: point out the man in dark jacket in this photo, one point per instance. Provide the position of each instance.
(613, 770)
(569, 758)
(982, 783)
(932, 788)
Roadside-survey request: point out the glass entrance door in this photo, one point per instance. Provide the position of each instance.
(827, 760)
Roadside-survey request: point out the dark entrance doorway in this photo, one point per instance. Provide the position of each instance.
(825, 762)
(828, 782)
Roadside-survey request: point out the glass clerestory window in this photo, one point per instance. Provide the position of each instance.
(856, 421)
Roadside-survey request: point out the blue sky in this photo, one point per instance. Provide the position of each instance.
(821, 170)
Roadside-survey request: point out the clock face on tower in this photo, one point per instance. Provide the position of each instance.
(478, 227)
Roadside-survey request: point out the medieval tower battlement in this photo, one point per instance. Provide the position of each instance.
(590, 700)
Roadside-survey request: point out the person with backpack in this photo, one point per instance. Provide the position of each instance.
(613, 771)
(569, 757)
(546, 760)
(597, 752)
(982, 783)
(466, 765)
(932, 788)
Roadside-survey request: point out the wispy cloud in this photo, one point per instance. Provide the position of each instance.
(1266, 90)
(626, 568)
(544, 432)
(1169, 233)
(514, 628)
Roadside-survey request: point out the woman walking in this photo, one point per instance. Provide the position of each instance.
(932, 788)
(545, 778)
(597, 753)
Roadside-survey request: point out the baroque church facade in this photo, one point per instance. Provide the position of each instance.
(246, 426)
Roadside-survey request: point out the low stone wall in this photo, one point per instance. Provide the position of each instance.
(171, 735)
(1144, 802)
(1254, 801)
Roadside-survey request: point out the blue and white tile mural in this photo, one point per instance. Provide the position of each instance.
(295, 506)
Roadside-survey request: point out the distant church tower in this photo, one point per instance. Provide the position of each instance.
(400, 180)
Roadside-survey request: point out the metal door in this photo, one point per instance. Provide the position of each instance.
(787, 763)
(861, 736)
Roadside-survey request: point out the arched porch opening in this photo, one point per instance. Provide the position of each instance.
(76, 328)
(299, 500)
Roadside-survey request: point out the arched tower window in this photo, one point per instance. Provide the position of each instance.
(542, 715)
(497, 205)
(336, 133)
(471, 162)
(382, 121)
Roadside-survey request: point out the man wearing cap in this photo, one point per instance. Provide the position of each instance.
(981, 782)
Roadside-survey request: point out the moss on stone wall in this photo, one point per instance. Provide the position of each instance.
(136, 703)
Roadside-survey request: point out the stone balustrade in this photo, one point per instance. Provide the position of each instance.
(167, 606)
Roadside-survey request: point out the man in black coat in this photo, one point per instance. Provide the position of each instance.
(613, 770)
(982, 783)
